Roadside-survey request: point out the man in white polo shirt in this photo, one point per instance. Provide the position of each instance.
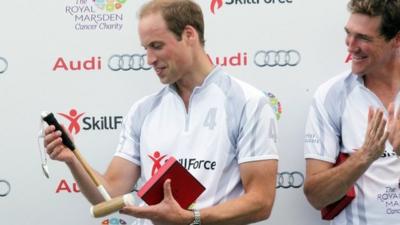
(354, 113)
(221, 129)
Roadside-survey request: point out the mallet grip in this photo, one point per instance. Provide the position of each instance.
(113, 205)
(51, 120)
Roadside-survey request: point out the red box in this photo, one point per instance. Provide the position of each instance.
(332, 210)
(185, 187)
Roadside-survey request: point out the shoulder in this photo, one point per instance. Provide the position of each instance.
(148, 103)
(235, 88)
(336, 88)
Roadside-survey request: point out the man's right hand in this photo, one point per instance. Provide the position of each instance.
(54, 146)
(375, 136)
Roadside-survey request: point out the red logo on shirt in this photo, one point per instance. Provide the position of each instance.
(156, 157)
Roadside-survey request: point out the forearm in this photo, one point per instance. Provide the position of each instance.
(248, 208)
(330, 185)
(259, 180)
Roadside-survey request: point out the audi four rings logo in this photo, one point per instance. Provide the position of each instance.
(273, 58)
(5, 188)
(289, 180)
(3, 65)
(127, 62)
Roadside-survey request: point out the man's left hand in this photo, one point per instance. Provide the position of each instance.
(167, 212)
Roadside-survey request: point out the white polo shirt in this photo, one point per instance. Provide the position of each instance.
(228, 122)
(337, 122)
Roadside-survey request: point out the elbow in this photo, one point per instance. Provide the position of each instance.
(264, 210)
(314, 200)
(265, 214)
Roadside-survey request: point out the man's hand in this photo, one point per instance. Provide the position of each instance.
(54, 146)
(375, 136)
(394, 128)
(167, 212)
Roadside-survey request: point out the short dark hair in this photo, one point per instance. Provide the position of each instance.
(177, 15)
(388, 10)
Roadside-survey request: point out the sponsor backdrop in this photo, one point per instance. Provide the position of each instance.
(82, 60)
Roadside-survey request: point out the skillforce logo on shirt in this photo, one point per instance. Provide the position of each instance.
(189, 163)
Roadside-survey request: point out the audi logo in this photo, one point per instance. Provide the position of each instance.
(3, 65)
(289, 180)
(5, 188)
(127, 62)
(273, 58)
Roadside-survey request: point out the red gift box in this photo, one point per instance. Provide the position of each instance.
(185, 187)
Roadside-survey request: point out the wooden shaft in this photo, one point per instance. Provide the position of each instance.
(86, 167)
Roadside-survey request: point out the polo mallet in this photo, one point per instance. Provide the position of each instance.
(109, 205)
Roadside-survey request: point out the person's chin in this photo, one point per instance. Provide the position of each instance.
(357, 69)
(164, 80)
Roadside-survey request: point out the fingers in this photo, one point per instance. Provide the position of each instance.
(370, 115)
(384, 138)
(54, 152)
(50, 137)
(138, 211)
(375, 121)
(49, 129)
(381, 134)
(53, 142)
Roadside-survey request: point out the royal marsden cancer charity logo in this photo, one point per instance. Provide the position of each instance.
(217, 4)
(96, 14)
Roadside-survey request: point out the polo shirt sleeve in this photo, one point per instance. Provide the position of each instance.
(322, 131)
(257, 137)
(129, 139)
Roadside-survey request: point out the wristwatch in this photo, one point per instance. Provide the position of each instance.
(196, 220)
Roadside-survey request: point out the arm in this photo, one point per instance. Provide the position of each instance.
(326, 184)
(119, 178)
(259, 180)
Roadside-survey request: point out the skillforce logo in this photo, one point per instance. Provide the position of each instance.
(76, 122)
(217, 4)
(189, 163)
(96, 14)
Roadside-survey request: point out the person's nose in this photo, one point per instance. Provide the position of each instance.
(351, 43)
(151, 58)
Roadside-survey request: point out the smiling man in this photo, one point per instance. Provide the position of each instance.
(354, 113)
